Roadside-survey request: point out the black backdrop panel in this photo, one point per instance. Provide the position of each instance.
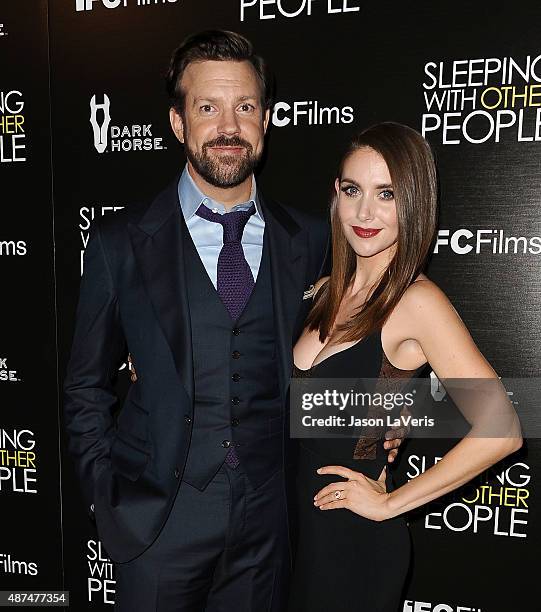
(456, 71)
(31, 538)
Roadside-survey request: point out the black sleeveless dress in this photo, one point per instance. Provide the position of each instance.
(344, 562)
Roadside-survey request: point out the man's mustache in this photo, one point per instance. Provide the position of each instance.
(222, 141)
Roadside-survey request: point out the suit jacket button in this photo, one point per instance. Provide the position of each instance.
(236, 354)
(226, 443)
(236, 331)
(187, 419)
(236, 377)
(91, 507)
(234, 421)
(235, 400)
(177, 472)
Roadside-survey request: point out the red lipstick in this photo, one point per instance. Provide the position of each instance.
(363, 232)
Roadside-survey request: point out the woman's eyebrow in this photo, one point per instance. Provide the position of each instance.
(348, 180)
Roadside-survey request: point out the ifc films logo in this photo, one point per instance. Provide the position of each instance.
(88, 5)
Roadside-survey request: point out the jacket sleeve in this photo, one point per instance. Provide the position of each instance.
(97, 350)
(326, 251)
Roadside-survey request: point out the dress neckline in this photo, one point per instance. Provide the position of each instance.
(314, 366)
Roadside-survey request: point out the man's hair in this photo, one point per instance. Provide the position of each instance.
(214, 45)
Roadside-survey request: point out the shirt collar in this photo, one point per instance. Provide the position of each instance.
(191, 197)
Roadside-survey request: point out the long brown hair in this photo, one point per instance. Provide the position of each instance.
(413, 175)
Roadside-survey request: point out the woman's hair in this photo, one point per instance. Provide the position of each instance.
(413, 175)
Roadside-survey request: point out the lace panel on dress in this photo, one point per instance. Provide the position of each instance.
(366, 447)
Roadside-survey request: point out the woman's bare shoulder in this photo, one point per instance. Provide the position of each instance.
(423, 293)
(422, 303)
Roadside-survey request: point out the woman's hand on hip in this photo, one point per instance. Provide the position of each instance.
(360, 494)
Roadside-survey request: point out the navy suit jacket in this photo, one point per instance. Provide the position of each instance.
(133, 299)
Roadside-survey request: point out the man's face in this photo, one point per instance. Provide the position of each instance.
(223, 125)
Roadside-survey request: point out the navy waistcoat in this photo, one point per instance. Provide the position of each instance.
(237, 396)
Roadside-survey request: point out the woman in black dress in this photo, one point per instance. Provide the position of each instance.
(378, 316)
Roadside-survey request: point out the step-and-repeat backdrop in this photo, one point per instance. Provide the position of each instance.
(84, 131)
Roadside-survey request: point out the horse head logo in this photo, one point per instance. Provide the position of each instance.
(100, 131)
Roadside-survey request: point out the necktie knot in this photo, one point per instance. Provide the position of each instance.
(233, 223)
(234, 276)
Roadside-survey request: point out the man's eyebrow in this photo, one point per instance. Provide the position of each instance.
(211, 99)
(205, 98)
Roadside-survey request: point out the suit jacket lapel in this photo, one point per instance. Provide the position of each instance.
(288, 250)
(158, 248)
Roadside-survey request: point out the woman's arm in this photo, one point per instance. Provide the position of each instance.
(447, 345)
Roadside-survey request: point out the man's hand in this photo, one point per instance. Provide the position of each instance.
(395, 436)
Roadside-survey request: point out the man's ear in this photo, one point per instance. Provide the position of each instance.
(266, 118)
(177, 125)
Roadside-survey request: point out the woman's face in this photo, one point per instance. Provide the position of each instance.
(366, 205)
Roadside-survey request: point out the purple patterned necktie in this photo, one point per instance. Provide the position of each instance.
(235, 281)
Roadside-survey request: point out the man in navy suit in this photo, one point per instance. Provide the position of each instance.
(204, 288)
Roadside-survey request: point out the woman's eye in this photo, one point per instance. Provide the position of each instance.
(350, 190)
(387, 194)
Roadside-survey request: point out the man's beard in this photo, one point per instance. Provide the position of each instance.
(223, 170)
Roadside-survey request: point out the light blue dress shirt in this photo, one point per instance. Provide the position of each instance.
(207, 236)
